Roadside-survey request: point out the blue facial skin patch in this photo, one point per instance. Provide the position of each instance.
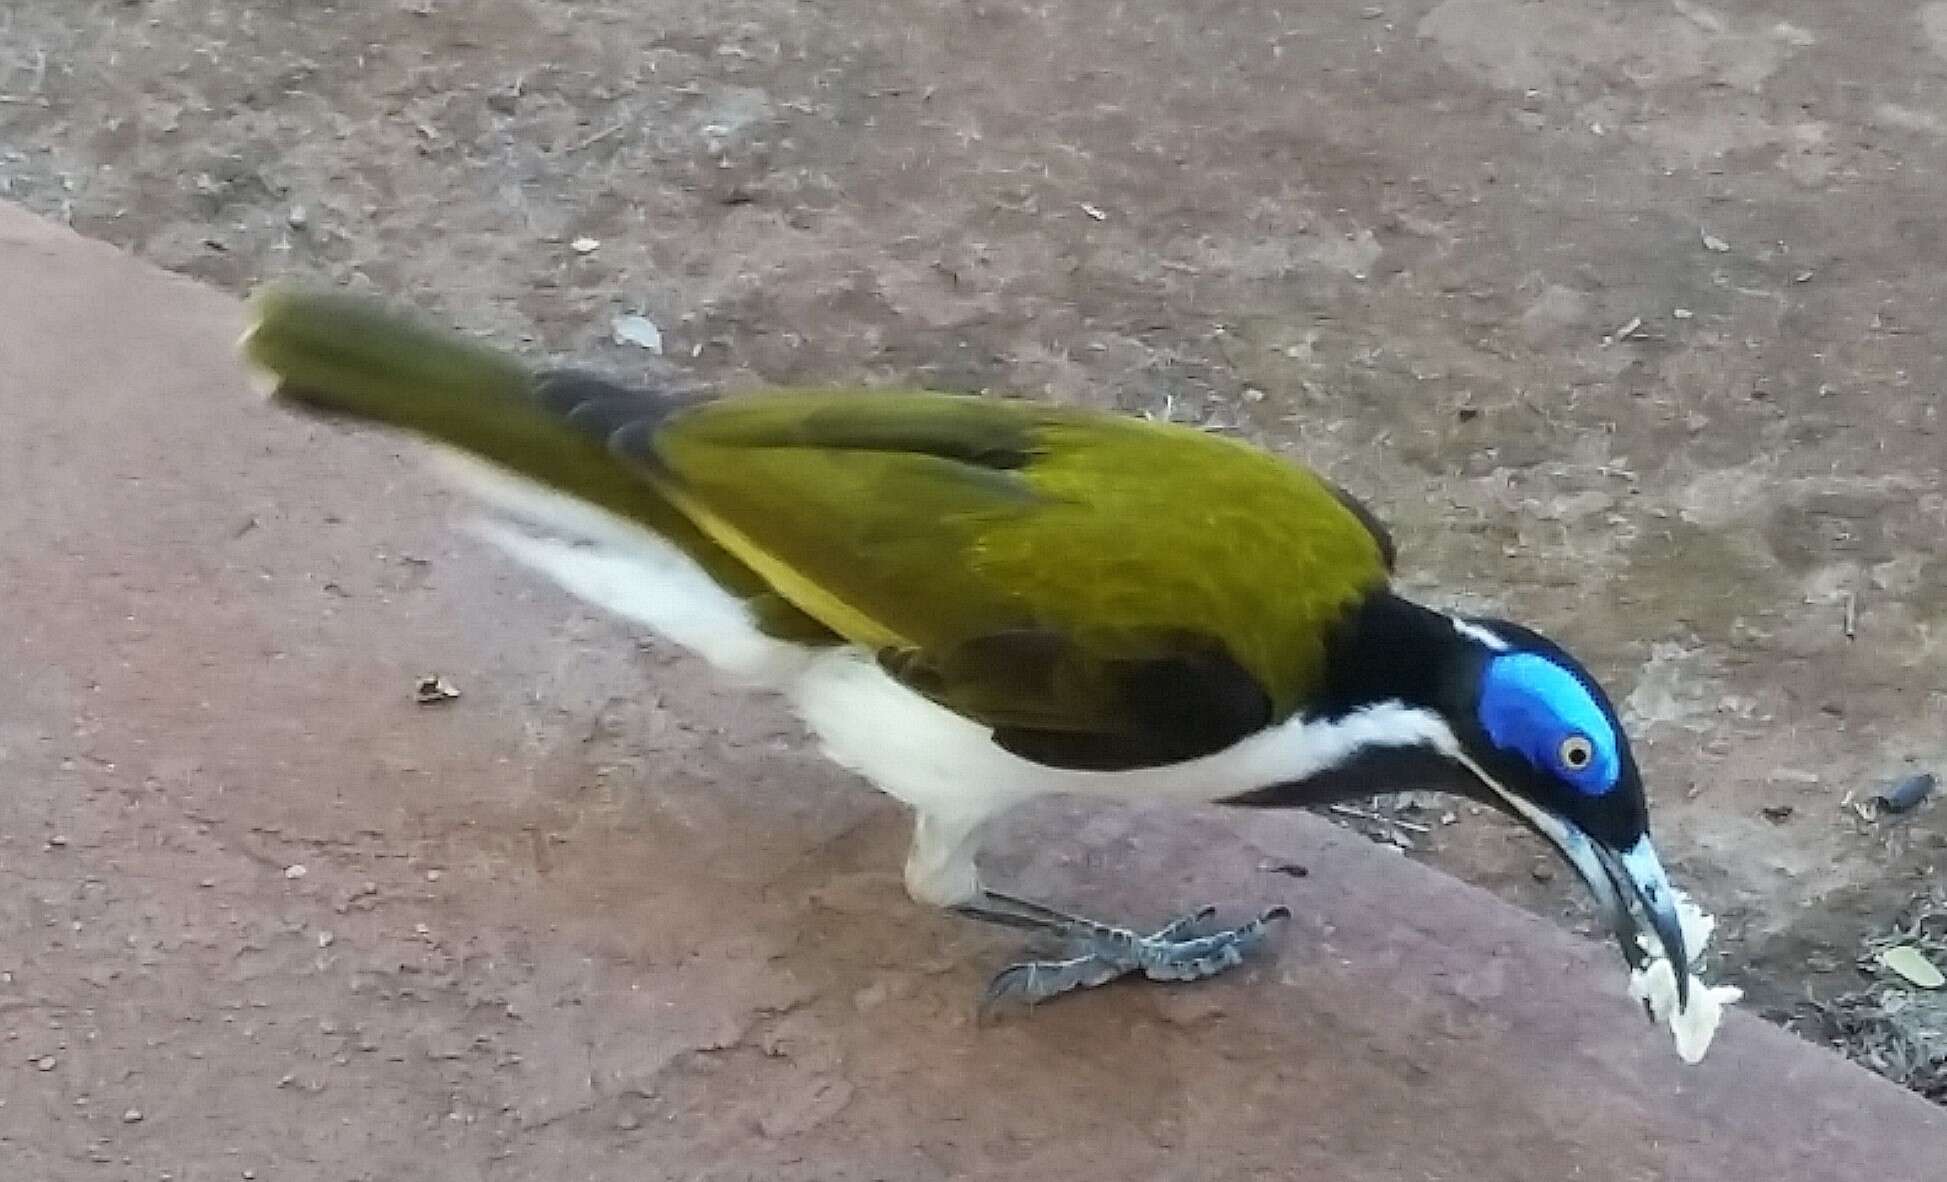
(1530, 705)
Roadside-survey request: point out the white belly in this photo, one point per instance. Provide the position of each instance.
(946, 767)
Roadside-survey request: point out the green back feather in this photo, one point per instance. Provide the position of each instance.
(1031, 566)
(1119, 534)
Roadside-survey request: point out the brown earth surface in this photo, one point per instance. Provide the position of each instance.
(266, 916)
(1403, 242)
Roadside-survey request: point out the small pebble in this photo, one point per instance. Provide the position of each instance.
(132, 1116)
(1907, 794)
(433, 690)
(1542, 872)
(639, 331)
(45, 1063)
(434, 875)
(294, 871)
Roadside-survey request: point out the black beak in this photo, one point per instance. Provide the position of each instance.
(1631, 890)
(1638, 870)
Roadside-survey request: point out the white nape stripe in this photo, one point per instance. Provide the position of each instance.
(1479, 634)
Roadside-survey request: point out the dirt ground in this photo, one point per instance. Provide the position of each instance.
(262, 914)
(1627, 317)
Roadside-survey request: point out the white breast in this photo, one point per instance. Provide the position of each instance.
(943, 765)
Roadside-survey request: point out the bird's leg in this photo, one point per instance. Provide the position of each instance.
(940, 870)
(1100, 953)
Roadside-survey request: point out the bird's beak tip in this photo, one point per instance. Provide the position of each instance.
(1625, 883)
(1642, 872)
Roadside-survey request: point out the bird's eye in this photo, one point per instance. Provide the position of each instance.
(1576, 752)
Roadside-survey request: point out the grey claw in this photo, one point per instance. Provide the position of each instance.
(1205, 956)
(1105, 953)
(1182, 925)
(1034, 981)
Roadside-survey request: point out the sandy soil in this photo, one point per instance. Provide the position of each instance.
(1629, 319)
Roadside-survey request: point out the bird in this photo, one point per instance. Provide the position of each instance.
(973, 601)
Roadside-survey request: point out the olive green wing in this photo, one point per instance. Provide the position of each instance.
(1104, 591)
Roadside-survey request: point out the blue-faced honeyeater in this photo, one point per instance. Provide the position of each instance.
(973, 601)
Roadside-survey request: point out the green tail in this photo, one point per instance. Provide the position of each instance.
(344, 356)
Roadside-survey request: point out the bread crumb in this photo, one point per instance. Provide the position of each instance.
(1655, 984)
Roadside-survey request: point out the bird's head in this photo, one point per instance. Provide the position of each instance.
(1543, 742)
(1499, 713)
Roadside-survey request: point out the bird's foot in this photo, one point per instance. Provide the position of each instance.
(1099, 953)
